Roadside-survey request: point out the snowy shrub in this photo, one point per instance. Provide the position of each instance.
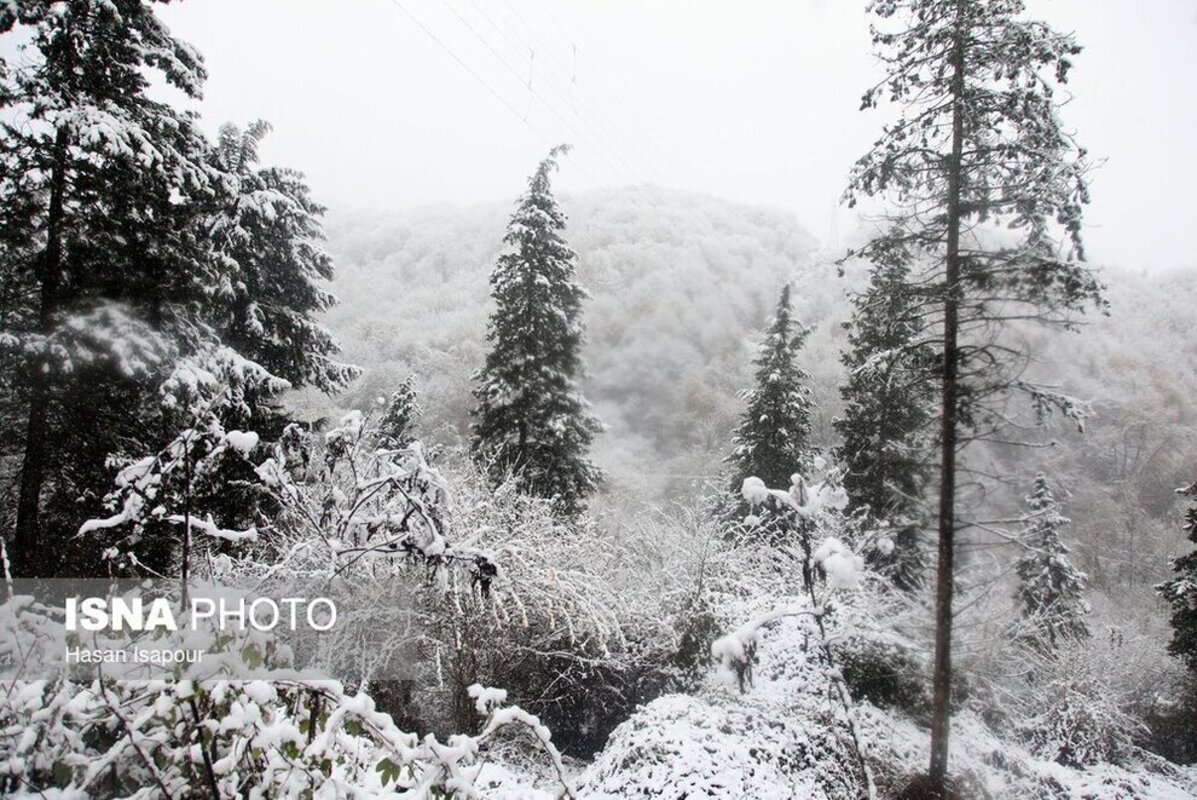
(1078, 726)
(808, 510)
(586, 622)
(697, 626)
(1073, 712)
(680, 747)
(302, 738)
(884, 670)
(447, 582)
(362, 521)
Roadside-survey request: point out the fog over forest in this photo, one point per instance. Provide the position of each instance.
(681, 285)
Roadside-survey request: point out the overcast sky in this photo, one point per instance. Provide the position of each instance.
(754, 100)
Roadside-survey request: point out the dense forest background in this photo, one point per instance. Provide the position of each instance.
(679, 285)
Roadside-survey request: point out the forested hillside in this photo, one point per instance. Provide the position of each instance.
(679, 285)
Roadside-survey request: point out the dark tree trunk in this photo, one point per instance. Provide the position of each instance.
(33, 465)
(942, 670)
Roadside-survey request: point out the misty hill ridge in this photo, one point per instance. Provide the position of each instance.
(680, 285)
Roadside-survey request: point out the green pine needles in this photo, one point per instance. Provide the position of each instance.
(532, 424)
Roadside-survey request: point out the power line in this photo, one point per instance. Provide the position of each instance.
(618, 94)
(482, 82)
(566, 95)
(507, 103)
(458, 59)
(651, 163)
(581, 136)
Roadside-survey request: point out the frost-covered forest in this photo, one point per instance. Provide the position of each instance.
(619, 493)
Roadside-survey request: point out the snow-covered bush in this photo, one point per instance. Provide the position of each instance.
(683, 746)
(885, 669)
(806, 510)
(1073, 713)
(1079, 704)
(587, 620)
(357, 519)
(118, 736)
(443, 582)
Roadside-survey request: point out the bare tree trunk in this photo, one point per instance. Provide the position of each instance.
(184, 599)
(942, 674)
(33, 465)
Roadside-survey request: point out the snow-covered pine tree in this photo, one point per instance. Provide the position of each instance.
(1181, 591)
(1051, 591)
(101, 187)
(264, 238)
(888, 416)
(396, 429)
(773, 439)
(273, 270)
(531, 422)
(986, 189)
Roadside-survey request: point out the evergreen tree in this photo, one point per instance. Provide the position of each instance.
(273, 271)
(1050, 589)
(396, 429)
(135, 245)
(888, 415)
(102, 187)
(1181, 592)
(773, 440)
(982, 180)
(531, 422)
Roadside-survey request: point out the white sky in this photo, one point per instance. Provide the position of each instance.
(755, 100)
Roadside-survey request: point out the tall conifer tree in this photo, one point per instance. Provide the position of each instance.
(1181, 591)
(135, 243)
(531, 421)
(773, 439)
(1050, 589)
(888, 415)
(982, 181)
(274, 272)
(101, 190)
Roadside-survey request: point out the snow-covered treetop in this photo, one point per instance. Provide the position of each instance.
(773, 436)
(531, 420)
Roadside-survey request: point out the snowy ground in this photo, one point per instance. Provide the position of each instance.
(786, 738)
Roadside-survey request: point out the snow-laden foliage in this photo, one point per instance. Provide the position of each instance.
(841, 570)
(773, 438)
(396, 429)
(793, 516)
(163, 489)
(102, 188)
(441, 581)
(1051, 592)
(1181, 591)
(131, 243)
(888, 412)
(346, 506)
(1073, 716)
(984, 189)
(273, 271)
(174, 737)
(775, 717)
(787, 737)
(585, 622)
(532, 423)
